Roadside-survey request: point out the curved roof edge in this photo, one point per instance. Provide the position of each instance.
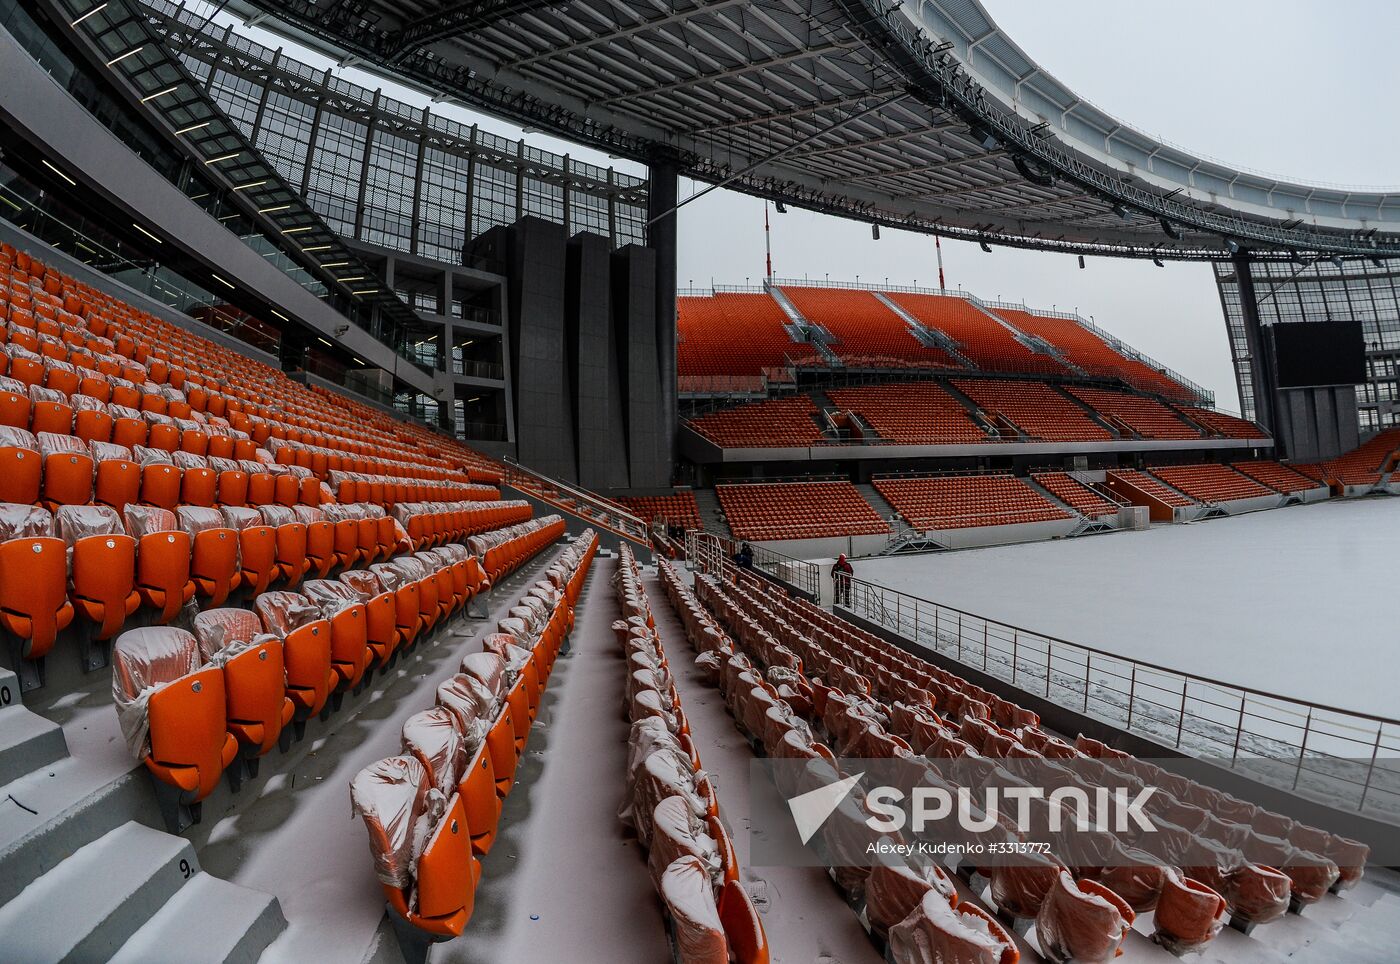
(1023, 87)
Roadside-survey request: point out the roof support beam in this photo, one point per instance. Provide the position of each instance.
(454, 20)
(740, 70)
(645, 26)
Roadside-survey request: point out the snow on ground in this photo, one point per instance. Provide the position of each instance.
(1299, 601)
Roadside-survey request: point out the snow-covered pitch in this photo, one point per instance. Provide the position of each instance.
(1303, 602)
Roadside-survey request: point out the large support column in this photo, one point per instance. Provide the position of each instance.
(1261, 359)
(661, 238)
(544, 421)
(634, 314)
(599, 425)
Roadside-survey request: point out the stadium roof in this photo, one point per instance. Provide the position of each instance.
(921, 115)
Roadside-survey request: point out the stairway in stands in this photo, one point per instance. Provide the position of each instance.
(88, 877)
(932, 337)
(710, 517)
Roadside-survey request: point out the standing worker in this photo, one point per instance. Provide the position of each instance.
(841, 573)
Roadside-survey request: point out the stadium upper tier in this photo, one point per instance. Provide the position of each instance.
(921, 115)
(731, 340)
(934, 413)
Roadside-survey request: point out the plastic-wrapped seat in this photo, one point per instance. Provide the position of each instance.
(49, 411)
(67, 470)
(320, 540)
(469, 705)
(213, 555)
(163, 554)
(14, 404)
(707, 932)
(346, 538)
(291, 542)
(306, 647)
(21, 468)
(408, 617)
(1189, 914)
(160, 478)
(257, 548)
(935, 931)
(489, 670)
(233, 481)
(893, 891)
(1082, 921)
(172, 709)
(129, 429)
(91, 420)
(381, 613)
(420, 843)
(103, 566)
(345, 609)
(34, 605)
(257, 706)
(118, 477)
(198, 482)
(441, 575)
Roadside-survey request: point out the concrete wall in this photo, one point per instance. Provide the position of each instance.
(534, 253)
(1315, 424)
(593, 370)
(634, 313)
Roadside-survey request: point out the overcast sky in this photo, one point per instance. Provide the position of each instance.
(1257, 83)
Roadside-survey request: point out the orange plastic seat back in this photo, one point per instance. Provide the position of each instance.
(118, 483)
(262, 489)
(92, 425)
(68, 476)
(160, 485)
(233, 487)
(198, 487)
(33, 580)
(21, 468)
(162, 559)
(189, 732)
(446, 875)
(103, 566)
(213, 554)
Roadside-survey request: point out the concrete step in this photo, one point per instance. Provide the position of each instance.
(27, 742)
(91, 903)
(50, 813)
(208, 920)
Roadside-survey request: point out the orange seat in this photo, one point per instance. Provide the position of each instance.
(68, 470)
(390, 796)
(162, 559)
(213, 553)
(320, 540)
(257, 545)
(341, 605)
(408, 616)
(118, 478)
(181, 734)
(34, 604)
(291, 542)
(91, 420)
(306, 647)
(49, 411)
(160, 478)
(468, 702)
(381, 611)
(198, 482)
(255, 685)
(103, 566)
(14, 404)
(21, 469)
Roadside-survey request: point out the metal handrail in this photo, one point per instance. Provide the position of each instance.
(1343, 757)
(610, 514)
(710, 552)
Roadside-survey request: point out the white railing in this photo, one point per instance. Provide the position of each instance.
(1345, 759)
(711, 554)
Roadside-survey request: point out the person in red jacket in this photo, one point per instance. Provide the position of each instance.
(841, 573)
